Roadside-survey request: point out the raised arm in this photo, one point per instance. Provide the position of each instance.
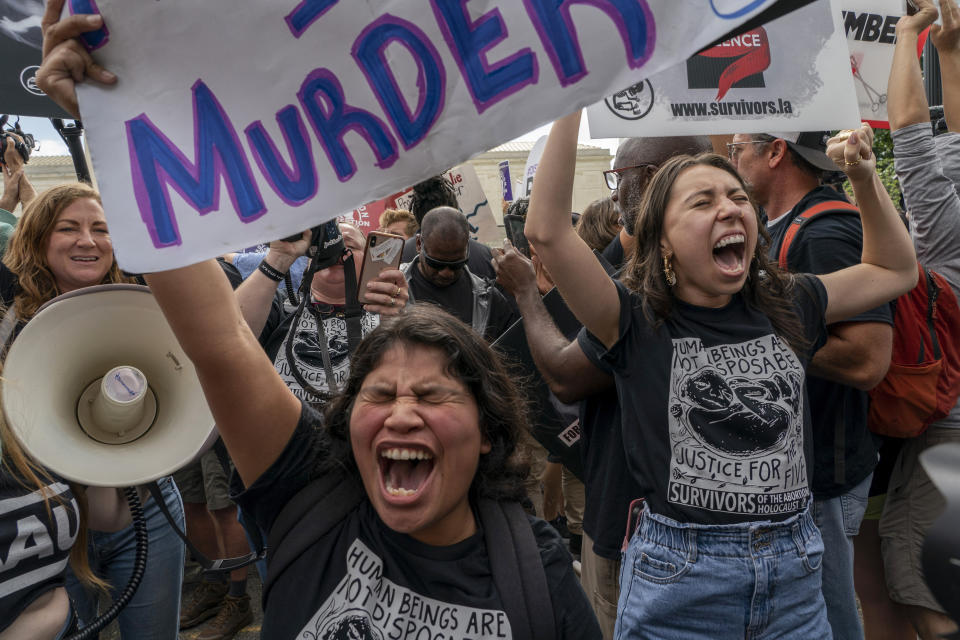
(584, 285)
(888, 265)
(566, 369)
(254, 411)
(16, 185)
(922, 167)
(906, 98)
(256, 293)
(947, 41)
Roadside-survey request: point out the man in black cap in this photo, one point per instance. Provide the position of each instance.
(784, 172)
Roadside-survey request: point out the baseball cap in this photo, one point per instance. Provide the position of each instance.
(809, 145)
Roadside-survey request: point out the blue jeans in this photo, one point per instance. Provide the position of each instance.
(839, 521)
(154, 611)
(752, 580)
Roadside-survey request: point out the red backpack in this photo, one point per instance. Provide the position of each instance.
(923, 382)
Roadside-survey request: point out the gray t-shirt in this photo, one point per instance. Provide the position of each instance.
(929, 172)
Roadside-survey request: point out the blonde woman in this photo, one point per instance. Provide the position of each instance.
(61, 244)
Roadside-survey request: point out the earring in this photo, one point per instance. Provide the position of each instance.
(668, 272)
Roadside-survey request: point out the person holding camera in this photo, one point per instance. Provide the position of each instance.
(16, 187)
(310, 346)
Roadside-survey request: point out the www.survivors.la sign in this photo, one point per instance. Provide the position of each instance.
(236, 122)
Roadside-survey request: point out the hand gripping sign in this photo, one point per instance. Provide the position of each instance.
(234, 123)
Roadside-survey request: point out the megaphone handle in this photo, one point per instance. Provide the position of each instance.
(224, 565)
(93, 629)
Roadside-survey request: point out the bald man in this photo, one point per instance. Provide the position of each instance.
(636, 161)
(439, 274)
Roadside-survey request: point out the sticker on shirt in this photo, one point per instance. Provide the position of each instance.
(308, 352)
(367, 606)
(758, 467)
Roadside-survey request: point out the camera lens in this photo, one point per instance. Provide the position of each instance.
(373, 241)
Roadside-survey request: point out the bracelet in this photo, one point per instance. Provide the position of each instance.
(274, 274)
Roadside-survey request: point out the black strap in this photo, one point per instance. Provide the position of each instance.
(223, 565)
(354, 330)
(517, 570)
(354, 310)
(323, 503)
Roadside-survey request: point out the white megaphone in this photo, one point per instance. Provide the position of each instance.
(98, 390)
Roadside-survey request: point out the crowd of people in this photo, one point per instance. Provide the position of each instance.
(731, 315)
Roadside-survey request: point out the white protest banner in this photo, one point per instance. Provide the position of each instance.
(871, 28)
(791, 74)
(238, 122)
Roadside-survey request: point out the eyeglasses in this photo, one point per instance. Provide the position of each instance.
(733, 148)
(612, 176)
(440, 265)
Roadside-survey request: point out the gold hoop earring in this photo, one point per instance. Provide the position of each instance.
(668, 272)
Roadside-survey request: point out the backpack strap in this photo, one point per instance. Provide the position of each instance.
(323, 503)
(831, 206)
(517, 569)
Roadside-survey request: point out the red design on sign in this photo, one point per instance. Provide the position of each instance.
(753, 47)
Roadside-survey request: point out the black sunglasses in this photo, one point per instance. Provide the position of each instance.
(440, 265)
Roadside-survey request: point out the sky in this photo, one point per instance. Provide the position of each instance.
(52, 145)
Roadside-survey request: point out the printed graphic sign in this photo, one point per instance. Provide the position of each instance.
(506, 189)
(20, 41)
(473, 202)
(292, 112)
(470, 197)
(871, 29)
(787, 75)
(367, 216)
(533, 161)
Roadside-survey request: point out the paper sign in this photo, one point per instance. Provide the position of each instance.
(234, 124)
(788, 75)
(870, 27)
(473, 202)
(533, 161)
(506, 191)
(470, 198)
(367, 216)
(20, 44)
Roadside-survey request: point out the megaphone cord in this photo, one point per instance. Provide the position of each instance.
(139, 567)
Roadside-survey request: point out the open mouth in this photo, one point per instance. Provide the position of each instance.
(84, 258)
(729, 252)
(404, 470)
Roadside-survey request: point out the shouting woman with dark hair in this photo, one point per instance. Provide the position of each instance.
(708, 342)
(423, 434)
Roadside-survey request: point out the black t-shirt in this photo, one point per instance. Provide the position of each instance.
(478, 261)
(826, 244)
(35, 542)
(457, 299)
(9, 285)
(715, 424)
(614, 253)
(307, 349)
(362, 577)
(608, 485)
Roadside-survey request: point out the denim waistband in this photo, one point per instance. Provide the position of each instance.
(741, 539)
